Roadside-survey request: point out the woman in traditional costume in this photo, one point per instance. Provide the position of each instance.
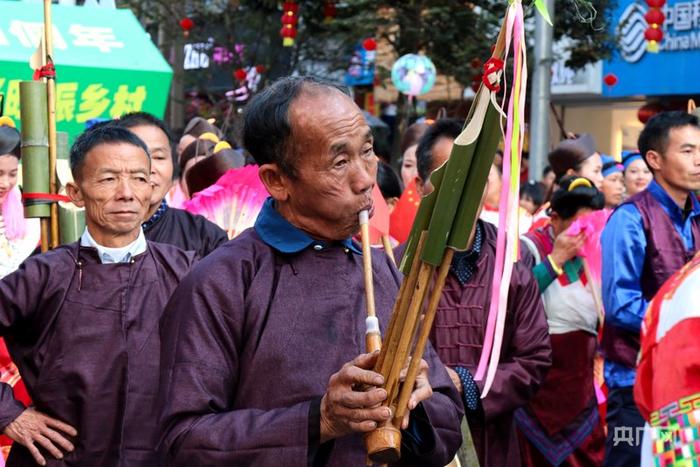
(561, 424)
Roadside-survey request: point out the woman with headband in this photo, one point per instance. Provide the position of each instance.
(613, 182)
(637, 174)
(561, 423)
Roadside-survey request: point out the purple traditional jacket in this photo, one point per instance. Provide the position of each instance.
(252, 337)
(84, 336)
(458, 336)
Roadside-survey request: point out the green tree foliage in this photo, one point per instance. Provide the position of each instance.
(451, 32)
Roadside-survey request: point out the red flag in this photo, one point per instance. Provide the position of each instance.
(404, 213)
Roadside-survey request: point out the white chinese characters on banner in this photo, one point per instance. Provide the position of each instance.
(91, 36)
(27, 34)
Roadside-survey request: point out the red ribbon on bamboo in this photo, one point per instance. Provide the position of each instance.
(46, 71)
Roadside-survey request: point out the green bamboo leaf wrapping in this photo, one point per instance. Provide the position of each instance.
(35, 143)
(470, 201)
(445, 210)
(421, 221)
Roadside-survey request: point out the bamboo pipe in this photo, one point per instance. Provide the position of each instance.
(387, 248)
(45, 225)
(51, 91)
(426, 326)
(384, 443)
(398, 314)
(373, 338)
(35, 152)
(408, 330)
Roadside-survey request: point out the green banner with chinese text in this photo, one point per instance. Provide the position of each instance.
(106, 64)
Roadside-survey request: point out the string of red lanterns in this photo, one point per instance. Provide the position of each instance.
(655, 19)
(290, 19)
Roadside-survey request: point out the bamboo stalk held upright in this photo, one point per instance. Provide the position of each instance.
(444, 223)
(50, 79)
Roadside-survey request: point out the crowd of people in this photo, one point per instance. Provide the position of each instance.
(155, 339)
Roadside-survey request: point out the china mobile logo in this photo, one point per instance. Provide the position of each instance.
(681, 29)
(630, 32)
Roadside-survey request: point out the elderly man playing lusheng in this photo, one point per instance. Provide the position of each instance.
(266, 339)
(81, 321)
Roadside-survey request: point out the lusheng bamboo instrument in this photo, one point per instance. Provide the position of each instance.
(415, 308)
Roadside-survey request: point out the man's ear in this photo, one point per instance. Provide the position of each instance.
(420, 188)
(75, 194)
(276, 182)
(654, 160)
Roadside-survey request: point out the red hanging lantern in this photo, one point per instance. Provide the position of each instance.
(186, 24)
(476, 63)
(260, 69)
(647, 111)
(288, 33)
(653, 34)
(240, 74)
(610, 79)
(329, 11)
(655, 16)
(290, 17)
(369, 44)
(290, 6)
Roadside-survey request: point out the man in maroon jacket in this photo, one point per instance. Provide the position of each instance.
(460, 324)
(81, 321)
(265, 341)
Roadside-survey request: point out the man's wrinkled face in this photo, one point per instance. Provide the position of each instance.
(161, 159)
(114, 187)
(334, 161)
(679, 165)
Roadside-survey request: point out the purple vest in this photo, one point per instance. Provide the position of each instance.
(665, 254)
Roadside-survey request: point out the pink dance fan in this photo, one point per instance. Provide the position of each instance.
(233, 202)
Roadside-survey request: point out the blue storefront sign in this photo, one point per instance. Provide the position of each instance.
(674, 70)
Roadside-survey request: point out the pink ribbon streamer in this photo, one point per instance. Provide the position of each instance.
(506, 250)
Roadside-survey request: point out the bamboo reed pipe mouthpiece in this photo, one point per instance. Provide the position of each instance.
(364, 218)
(373, 337)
